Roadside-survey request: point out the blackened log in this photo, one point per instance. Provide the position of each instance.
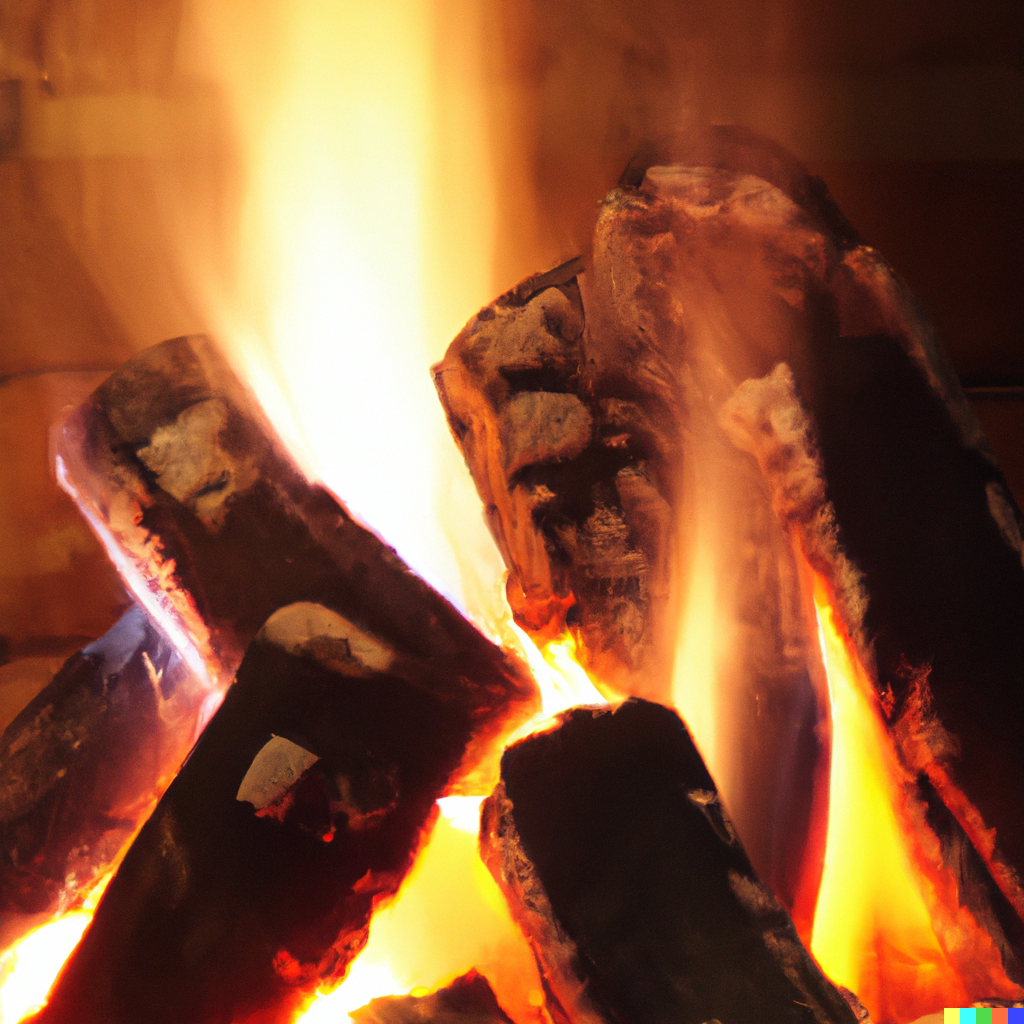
(299, 810)
(467, 1000)
(621, 865)
(82, 765)
(719, 262)
(215, 527)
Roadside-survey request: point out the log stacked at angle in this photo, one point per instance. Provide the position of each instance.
(301, 807)
(83, 764)
(593, 403)
(607, 836)
(214, 526)
(364, 698)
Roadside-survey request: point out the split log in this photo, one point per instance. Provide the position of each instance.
(467, 1000)
(83, 764)
(214, 528)
(621, 866)
(720, 261)
(300, 809)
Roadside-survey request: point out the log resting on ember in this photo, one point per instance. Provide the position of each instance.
(602, 413)
(82, 765)
(301, 808)
(621, 866)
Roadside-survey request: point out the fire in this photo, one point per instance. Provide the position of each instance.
(29, 968)
(883, 891)
(363, 243)
(450, 915)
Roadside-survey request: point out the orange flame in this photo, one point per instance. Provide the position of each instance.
(29, 968)
(450, 915)
(887, 909)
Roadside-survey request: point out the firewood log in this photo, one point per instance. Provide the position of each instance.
(82, 765)
(300, 809)
(718, 261)
(467, 1000)
(214, 528)
(610, 842)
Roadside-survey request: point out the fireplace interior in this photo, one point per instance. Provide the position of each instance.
(652, 649)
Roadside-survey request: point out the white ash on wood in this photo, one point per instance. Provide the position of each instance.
(215, 528)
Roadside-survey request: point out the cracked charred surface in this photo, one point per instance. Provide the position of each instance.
(573, 482)
(619, 862)
(719, 261)
(302, 806)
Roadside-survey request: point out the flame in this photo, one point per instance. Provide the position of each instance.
(29, 968)
(364, 242)
(450, 915)
(883, 892)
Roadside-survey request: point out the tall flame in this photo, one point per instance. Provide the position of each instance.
(363, 244)
(883, 892)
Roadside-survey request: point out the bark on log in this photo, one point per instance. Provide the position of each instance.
(300, 809)
(619, 862)
(82, 765)
(215, 528)
(467, 1000)
(717, 260)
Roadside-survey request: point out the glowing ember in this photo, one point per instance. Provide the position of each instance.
(450, 915)
(881, 893)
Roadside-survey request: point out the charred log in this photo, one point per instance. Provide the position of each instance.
(215, 528)
(467, 1000)
(81, 766)
(301, 807)
(719, 265)
(619, 862)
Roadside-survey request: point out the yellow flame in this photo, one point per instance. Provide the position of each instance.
(29, 968)
(364, 243)
(450, 915)
(873, 927)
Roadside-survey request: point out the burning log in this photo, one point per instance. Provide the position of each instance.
(623, 869)
(300, 809)
(83, 763)
(467, 1000)
(215, 528)
(600, 412)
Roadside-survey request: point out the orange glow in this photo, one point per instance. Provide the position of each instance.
(884, 891)
(29, 968)
(450, 915)
(364, 242)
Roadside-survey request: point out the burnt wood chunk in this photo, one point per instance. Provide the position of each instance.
(215, 528)
(761, 388)
(83, 764)
(622, 867)
(467, 1000)
(301, 807)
